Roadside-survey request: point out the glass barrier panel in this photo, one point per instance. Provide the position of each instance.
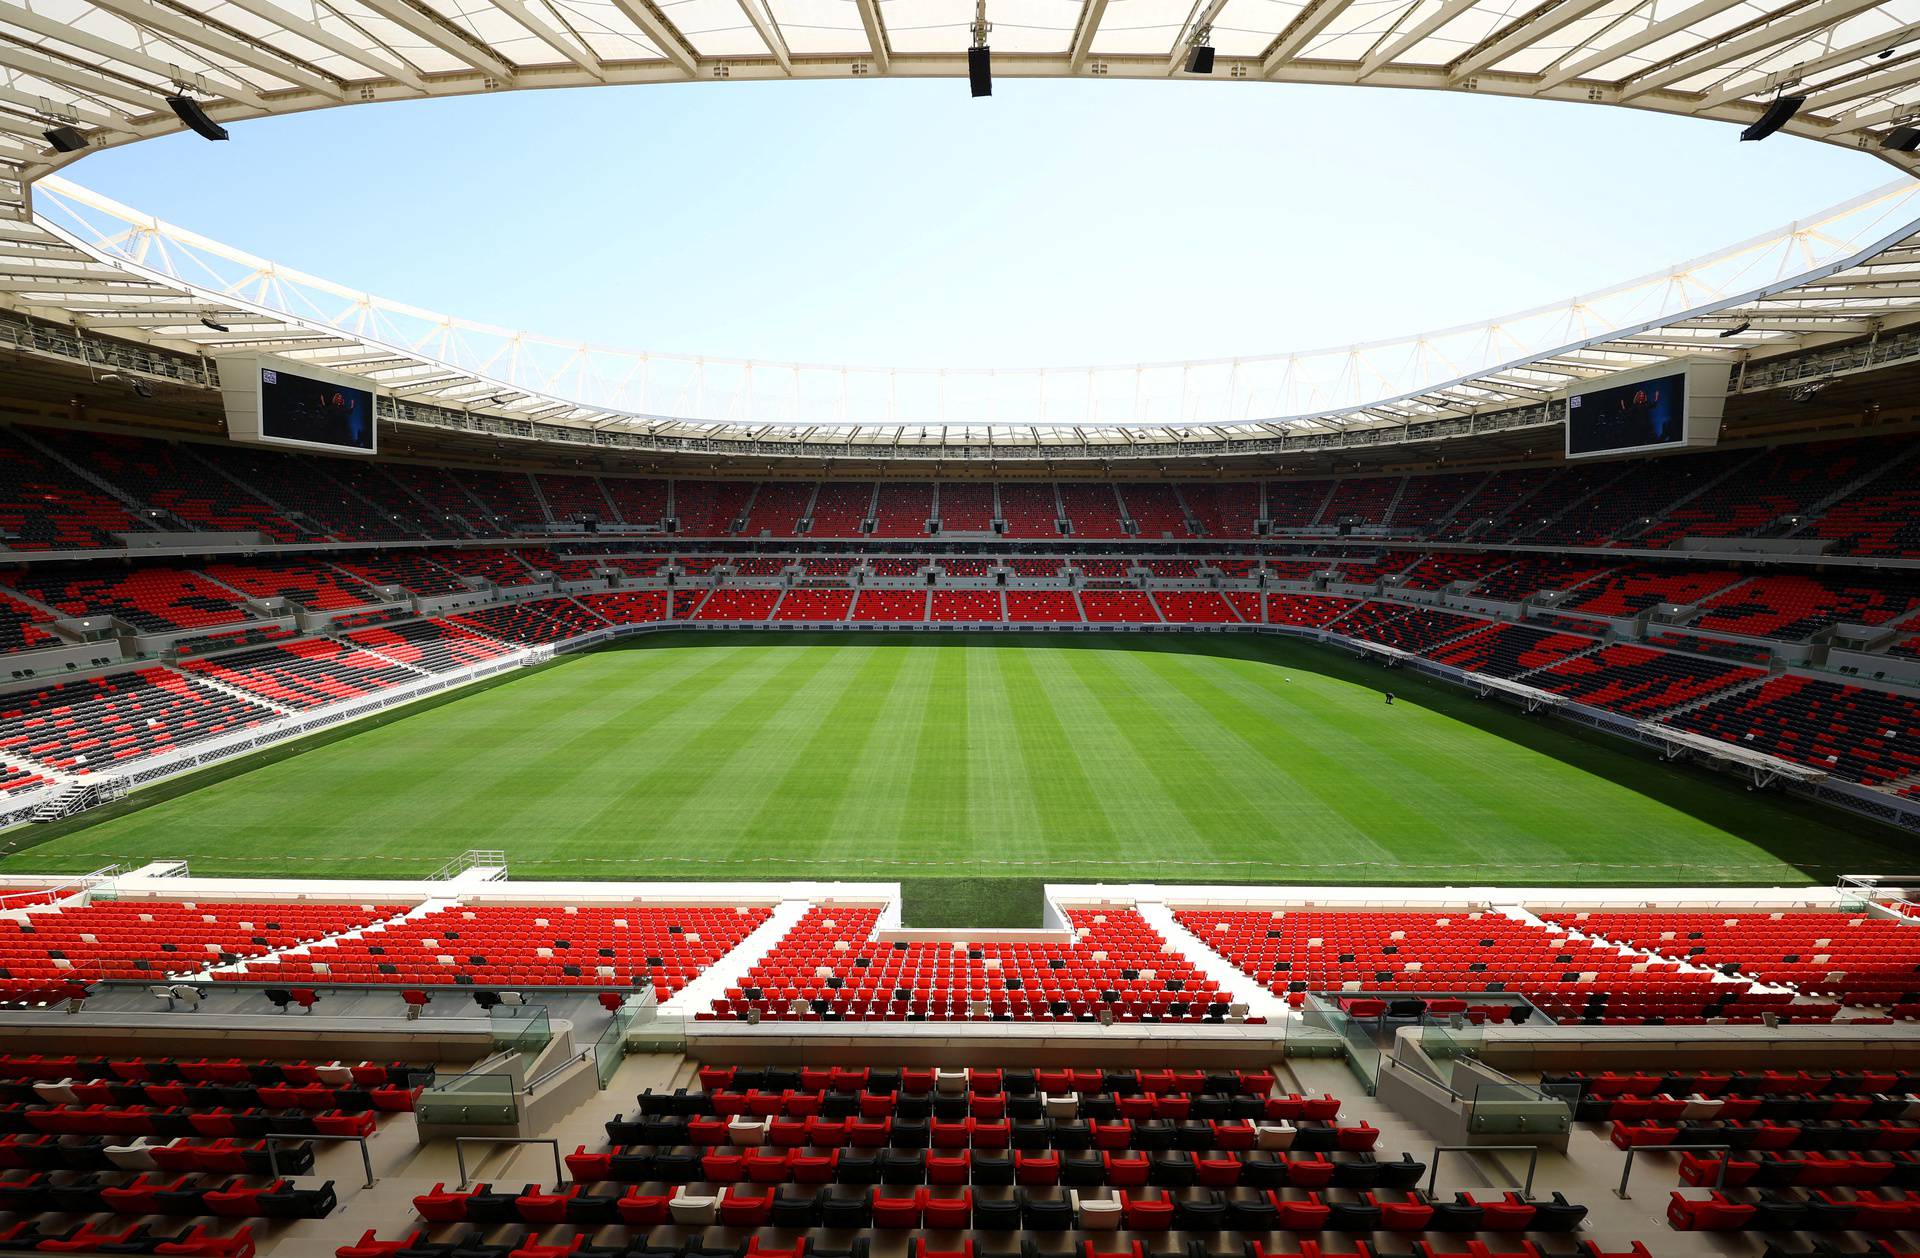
(480, 1100)
(520, 1028)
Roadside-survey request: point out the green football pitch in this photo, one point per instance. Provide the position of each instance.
(1093, 758)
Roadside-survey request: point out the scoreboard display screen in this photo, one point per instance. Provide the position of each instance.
(1644, 415)
(314, 412)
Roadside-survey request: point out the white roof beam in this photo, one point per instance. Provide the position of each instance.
(30, 61)
(877, 32)
(1817, 16)
(769, 30)
(1759, 85)
(1863, 120)
(13, 271)
(333, 43)
(665, 35)
(1089, 25)
(559, 40)
(1653, 33)
(171, 25)
(443, 35)
(1306, 24)
(1822, 102)
(37, 103)
(1435, 20)
(61, 32)
(1542, 23)
(283, 343)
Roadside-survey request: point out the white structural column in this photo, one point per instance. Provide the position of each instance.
(1241, 987)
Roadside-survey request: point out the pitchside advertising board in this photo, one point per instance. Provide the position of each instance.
(270, 401)
(1650, 410)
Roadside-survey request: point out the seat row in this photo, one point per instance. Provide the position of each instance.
(140, 1120)
(309, 1096)
(1766, 1210)
(1022, 1209)
(676, 1243)
(231, 1070)
(1013, 1082)
(989, 1169)
(43, 1192)
(1068, 1134)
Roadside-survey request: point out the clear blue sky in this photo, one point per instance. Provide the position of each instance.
(902, 223)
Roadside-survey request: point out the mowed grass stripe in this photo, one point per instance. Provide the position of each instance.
(1216, 758)
(1073, 812)
(1323, 736)
(1170, 771)
(1003, 816)
(1282, 759)
(714, 806)
(940, 780)
(513, 791)
(802, 811)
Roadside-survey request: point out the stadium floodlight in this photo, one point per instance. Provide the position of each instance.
(1778, 115)
(1736, 329)
(212, 324)
(1200, 54)
(190, 112)
(979, 56)
(1902, 139)
(65, 139)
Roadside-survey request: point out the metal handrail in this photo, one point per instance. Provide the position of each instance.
(1719, 1181)
(273, 1163)
(460, 1152)
(1531, 1150)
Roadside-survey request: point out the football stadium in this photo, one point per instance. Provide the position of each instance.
(469, 792)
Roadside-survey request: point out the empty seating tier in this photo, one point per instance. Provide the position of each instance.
(830, 966)
(150, 600)
(1640, 681)
(1475, 953)
(525, 946)
(537, 621)
(93, 724)
(1866, 735)
(437, 646)
(305, 673)
(155, 939)
(1849, 956)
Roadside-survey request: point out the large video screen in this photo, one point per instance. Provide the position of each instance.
(295, 408)
(1644, 415)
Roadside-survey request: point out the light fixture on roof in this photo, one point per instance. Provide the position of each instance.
(65, 138)
(1904, 138)
(194, 116)
(1737, 329)
(212, 324)
(979, 56)
(1200, 49)
(1778, 115)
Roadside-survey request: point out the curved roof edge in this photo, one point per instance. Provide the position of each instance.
(102, 266)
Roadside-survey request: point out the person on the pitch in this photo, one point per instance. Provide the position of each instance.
(1389, 698)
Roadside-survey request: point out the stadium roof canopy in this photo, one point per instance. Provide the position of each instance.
(105, 67)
